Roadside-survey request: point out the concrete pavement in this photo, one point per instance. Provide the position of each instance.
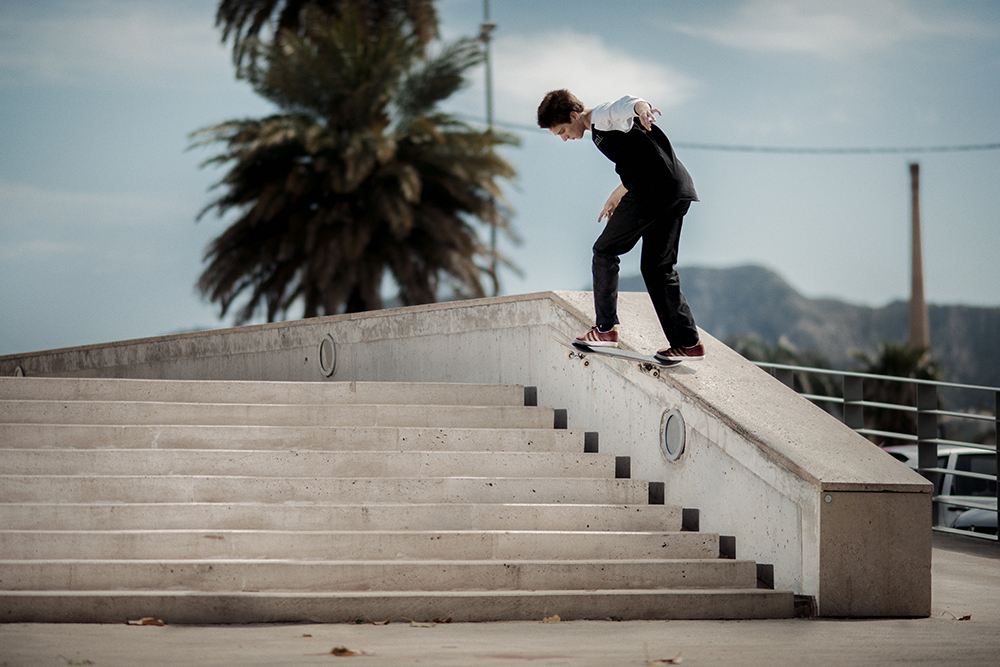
(966, 582)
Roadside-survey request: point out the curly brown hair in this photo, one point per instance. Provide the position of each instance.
(556, 107)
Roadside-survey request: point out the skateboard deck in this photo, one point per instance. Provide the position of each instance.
(647, 362)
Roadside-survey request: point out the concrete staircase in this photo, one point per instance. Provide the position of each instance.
(235, 502)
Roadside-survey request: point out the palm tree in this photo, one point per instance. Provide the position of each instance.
(244, 20)
(360, 176)
(901, 361)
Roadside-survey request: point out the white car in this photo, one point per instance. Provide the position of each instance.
(978, 511)
(977, 521)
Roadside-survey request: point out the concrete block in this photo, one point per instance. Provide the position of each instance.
(875, 554)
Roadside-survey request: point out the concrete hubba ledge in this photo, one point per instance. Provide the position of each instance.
(838, 519)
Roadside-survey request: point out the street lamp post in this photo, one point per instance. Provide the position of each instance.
(486, 29)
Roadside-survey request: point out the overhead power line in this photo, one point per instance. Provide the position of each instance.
(734, 148)
(839, 151)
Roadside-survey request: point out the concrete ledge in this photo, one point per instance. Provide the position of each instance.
(348, 545)
(287, 393)
(319, 438)
(202, 488)
(181, 607)
(330, 516)
(395, 575)
(377, 463)
(137, 413)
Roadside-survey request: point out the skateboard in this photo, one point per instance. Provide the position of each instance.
(647, 362)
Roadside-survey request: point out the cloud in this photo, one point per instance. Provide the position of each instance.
(527, 67)
(90, 39)
(28, 205)
(54, 231)
(829, 30)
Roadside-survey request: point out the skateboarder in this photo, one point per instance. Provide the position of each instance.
(655, 193)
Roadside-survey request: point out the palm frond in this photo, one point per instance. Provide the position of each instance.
(245, 20)
(438, 78)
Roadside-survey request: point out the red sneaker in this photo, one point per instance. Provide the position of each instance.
(694, 353)
(597, 338)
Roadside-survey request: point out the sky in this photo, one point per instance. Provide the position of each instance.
(100, 191)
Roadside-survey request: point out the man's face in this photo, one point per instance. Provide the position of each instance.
(572, 130)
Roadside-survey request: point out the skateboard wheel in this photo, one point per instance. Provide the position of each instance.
(655, 373)
(585, 362)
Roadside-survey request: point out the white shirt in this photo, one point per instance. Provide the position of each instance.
(616, 115)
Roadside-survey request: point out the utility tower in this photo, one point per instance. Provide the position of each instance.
(920, 335)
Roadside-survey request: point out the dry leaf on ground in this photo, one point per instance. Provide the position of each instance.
(554, 618)
(149, 620)
(344, 652)
(364, 620)
(676, 660)
(967, 617)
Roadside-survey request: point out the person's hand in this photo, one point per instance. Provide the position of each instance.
(612, 203)
(609, 208)
(644, 111)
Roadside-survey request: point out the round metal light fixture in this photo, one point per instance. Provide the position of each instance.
(673, 434)
(327, 356)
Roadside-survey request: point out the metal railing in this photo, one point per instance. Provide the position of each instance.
(931, 425)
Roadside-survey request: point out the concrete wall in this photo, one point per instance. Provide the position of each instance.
(838, 518)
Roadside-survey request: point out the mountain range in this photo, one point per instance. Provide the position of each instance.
(754, 301)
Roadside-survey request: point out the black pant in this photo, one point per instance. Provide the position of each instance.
(660, 232)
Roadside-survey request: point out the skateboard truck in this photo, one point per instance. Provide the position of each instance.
(646, 364)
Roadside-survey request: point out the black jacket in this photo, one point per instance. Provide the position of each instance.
(647, 165)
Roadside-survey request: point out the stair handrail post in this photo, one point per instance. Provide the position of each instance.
(996, 444)
(854, 396)
(927, 435)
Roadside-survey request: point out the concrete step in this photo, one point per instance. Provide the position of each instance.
(254, 463)
(210, 488)
(329, 516)
(361, 575)
(350, 545)
(179, 607)
(288, 393)
(325, 438)
(139, 412)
